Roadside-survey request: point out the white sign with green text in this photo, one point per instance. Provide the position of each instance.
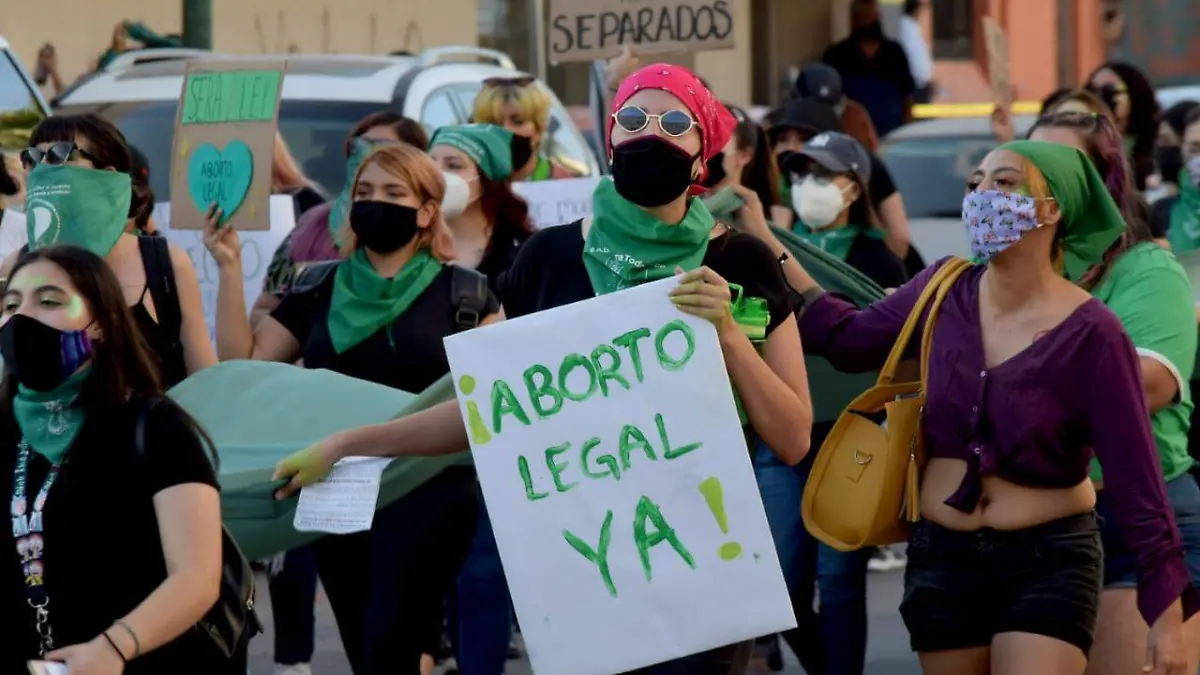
(618, 483)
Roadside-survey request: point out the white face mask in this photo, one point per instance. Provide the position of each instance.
(817, 204)
(458, 195)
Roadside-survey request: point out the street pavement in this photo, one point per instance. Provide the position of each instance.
(887, 651)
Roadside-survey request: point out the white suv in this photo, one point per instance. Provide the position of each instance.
(323, 97)
(21, 104)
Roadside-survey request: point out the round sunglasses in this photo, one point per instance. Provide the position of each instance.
(58, 153)
(633, 119)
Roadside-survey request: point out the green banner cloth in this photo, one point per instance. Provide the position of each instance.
(258, 413)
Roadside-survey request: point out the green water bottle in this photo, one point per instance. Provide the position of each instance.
(752, 316)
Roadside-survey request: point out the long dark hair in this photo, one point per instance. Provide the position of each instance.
(107, 144)
(1104, 147)
(124, 367)
(507, 212)
(407, 130)
(762, 173)
(1142, 124)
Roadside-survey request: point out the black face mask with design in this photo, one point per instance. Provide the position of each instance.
(40, 356)
(650, 171)
(383, 227)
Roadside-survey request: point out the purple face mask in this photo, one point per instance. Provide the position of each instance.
(996, 220)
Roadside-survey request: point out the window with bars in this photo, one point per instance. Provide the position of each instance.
(953, 28)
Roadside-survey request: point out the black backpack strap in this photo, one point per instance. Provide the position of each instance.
(469, 292)
(307, 277)
(160, 280)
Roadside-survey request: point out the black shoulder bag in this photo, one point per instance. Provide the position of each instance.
(232, 621)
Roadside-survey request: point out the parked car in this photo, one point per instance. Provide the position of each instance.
(1169, 96)
(21, 104)
(931, 162)
(323, 97)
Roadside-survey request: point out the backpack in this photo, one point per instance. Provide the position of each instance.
(468, 289)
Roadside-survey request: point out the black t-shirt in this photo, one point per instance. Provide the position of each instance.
(873, 258)
(881, 185)
(499, 257)
(407, 355)
(1160, 216)
(549, 272)
(103, 555)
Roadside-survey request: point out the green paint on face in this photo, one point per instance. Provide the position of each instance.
(714, 496)
(75, 307)
(648, 513)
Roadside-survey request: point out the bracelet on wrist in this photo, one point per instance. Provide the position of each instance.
(115, 648)
(137, 644)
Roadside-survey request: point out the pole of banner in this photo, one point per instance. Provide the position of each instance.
(539, 39)
(197, 24)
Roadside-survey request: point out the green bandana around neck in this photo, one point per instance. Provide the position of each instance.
(488, 145)
(50, 420)
(77, 206)
(363, 302)
(627, 246)
(341, 206)
(1184, 230)
(541, 171)
(1091, 221)
(836, 241)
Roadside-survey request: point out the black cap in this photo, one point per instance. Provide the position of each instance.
(820, 81)
(835, 151)
(808, 115)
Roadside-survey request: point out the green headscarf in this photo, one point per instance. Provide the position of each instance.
(1184, 231)
(341, 206)
(1091, 221)
(50, 420)
(363, 302)
(627, 246)
(488, 145)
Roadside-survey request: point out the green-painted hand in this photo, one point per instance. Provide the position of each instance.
(302, 468)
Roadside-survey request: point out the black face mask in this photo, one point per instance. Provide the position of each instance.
(716, 170)
(522, 150)
(651, 172)
(1170, 162)
(383, 227)
(41, 356)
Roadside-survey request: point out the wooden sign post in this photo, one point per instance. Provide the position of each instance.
(998, 62)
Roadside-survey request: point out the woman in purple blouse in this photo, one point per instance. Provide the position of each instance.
(1030, 374)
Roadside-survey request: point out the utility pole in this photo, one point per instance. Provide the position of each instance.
(197, 24)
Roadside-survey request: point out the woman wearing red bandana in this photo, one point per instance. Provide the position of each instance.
(665, 125)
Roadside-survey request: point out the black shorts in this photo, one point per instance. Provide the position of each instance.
(961, 589)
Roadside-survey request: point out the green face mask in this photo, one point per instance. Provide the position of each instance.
(77, 206)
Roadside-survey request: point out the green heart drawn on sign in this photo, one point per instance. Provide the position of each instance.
(221, 176)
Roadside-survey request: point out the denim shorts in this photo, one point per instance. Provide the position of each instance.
(1120, 564)
(961, 589)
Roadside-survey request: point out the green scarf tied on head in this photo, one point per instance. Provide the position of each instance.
(363, 302)
(488, 145)
(341, 206)
(1184, 231)
(1091, 221)
(627, 246)
(50, 420)
(78, 206)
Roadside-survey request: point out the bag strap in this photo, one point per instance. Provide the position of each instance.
(469, 292)
(927, 334)
(948, 271)
(160, 280)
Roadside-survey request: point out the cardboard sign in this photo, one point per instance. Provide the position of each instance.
(585, 30)
(558, 202)
(618, 483)
(225, 142)
(258, 247)
(997, 55)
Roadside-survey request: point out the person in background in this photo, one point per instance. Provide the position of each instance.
(12, 194)
(142, 38)
(90, 155)
(288, 179)
(46, 70)
(1168, 157)
(488, 220)
(1183, 230)
(143, 224)
(1149, 291)
(1129, 94)
(799, 121)
(874, 69)
(379, 315)
(746, 165)
(520, 105)
(823, 83)
(916, 48)
(313, 238)
(117, 598)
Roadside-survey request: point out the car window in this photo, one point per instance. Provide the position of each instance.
(439, 111)
(315, 132)
(931, 173)
(19, 109)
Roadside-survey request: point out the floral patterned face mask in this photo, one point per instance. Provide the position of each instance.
(996, 220)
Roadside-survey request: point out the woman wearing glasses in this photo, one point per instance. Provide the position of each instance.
(1130, 95)
(79, 192)
(521, 106)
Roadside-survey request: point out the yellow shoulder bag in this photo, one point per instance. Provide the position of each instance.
(863, 489)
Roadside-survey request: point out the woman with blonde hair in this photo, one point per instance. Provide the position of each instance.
(379, 315)
(519, 105)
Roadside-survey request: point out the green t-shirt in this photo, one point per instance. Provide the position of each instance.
(1150, 293)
